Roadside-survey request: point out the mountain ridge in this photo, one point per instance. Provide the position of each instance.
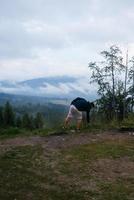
(52, 87)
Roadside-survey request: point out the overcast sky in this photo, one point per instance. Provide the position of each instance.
(41, 38)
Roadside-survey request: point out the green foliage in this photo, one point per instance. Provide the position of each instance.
(131, 80)
(12, 117)
(39, 121)
(111, 87)
(19, 122)
(105, 74)
(1, 116)
(129, 121)
(10, 131)
(27, 121)
(8, 115)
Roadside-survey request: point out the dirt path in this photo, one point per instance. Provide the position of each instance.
(62, 141)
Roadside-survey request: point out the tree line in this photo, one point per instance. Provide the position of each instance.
(114, 79)
(8, 118)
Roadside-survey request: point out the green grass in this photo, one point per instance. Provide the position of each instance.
(120, 190)
(26, 174)
(13, 132)
(35, 173)
(101, 150)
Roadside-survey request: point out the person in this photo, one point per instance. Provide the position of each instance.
(76, 108)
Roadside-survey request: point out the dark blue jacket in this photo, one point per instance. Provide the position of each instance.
(82, 105)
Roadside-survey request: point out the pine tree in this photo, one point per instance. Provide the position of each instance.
(31, 123)
(8, 115)
(39, 120)
(1, 116)
(25, 120)
(19, 122)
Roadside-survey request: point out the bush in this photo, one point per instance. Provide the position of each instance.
(129, 121)
(10, 131)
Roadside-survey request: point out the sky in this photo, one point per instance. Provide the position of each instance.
(40, 38)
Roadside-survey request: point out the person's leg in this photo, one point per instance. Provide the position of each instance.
(69, 117)
(79, 120)
(79, 123)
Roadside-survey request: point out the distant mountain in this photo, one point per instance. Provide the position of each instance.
(49, 80)
(51, 87)
(23, 99)
(7, 84)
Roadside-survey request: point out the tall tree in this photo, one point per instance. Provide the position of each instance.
(131, 81)
(39, 120)
(125, 85)
(8, 115)
(107, 74)
(19, 122)
(26, 121)
(1, 116)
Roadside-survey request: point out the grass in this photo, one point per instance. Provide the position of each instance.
(13, 132)
(117, 191)
(102, 150)
(75, 173)
(25, 174)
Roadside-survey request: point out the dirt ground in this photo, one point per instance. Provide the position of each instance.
(64, 140)
(85, 174)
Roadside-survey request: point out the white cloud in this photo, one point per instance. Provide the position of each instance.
(79, 87)
(48, 37)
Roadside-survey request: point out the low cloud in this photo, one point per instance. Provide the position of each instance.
(80, 87)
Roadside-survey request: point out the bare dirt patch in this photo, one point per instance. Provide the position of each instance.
(64, 141)
(113, 169)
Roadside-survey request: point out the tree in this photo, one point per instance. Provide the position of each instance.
(108, 76)
(8, 115)
(28, 121)
(125, 85)
(25, 120)
(1, 116)
(19, 122)
(131, 81)
(39, 120)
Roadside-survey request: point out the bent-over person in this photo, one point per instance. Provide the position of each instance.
(76, 108)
